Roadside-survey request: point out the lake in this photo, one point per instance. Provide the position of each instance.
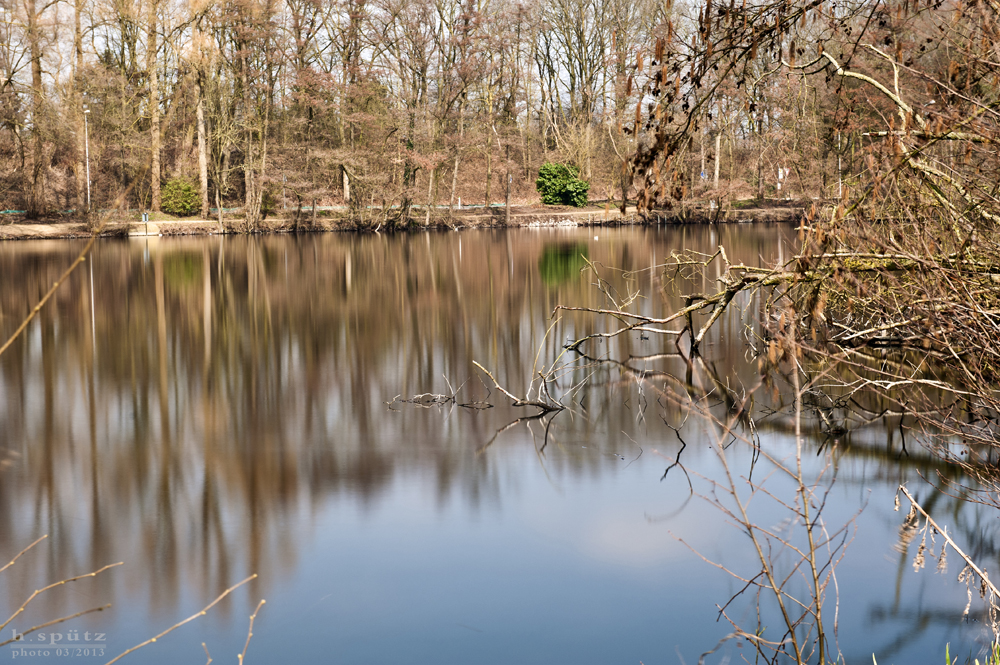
(202, 409)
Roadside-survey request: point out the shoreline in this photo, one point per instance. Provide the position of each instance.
(520, 217)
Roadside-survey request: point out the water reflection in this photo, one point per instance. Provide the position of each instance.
(561, 262)
(200, 407)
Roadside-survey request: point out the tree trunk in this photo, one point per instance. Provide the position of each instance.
(458, 153)
(81, 130)
(36, 185)
(202, 151)
(760, 159)
(718, 156)
(254, 154)
(730, 141)
(409, 169)
(154, 109)
(701, 145)
(524, 149)
(626, 184)
(218, 208)
(430, 197)
(489, 171)
(356, 10)
(506, 208)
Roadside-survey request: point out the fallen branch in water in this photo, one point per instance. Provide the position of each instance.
(549, 404)
(427, 400)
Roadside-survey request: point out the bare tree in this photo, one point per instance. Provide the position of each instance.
(153, 76)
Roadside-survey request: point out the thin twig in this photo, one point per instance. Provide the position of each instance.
(181, 623)
(944, 534)
(20, 636)
(545, 406)
(18, 556)
(250, 630)
(38, 592)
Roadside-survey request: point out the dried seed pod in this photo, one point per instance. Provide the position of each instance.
(920, 560)
(908, 530)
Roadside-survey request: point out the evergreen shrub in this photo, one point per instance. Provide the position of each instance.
(559, 184)
(180, 197)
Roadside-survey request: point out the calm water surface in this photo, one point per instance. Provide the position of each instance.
(204, 409)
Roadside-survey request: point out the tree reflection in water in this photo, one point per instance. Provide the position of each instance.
(193, 412)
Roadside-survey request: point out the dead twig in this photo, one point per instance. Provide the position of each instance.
(944, 534)
(18, 555)
(181, 623)
(38, 592)
(20, 636)
(545, 406)
(250, 630)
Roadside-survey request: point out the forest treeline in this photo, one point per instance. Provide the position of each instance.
(264, 104)
(261, 104)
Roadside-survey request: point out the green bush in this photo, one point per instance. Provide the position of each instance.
(559, 185)
(180, 197)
